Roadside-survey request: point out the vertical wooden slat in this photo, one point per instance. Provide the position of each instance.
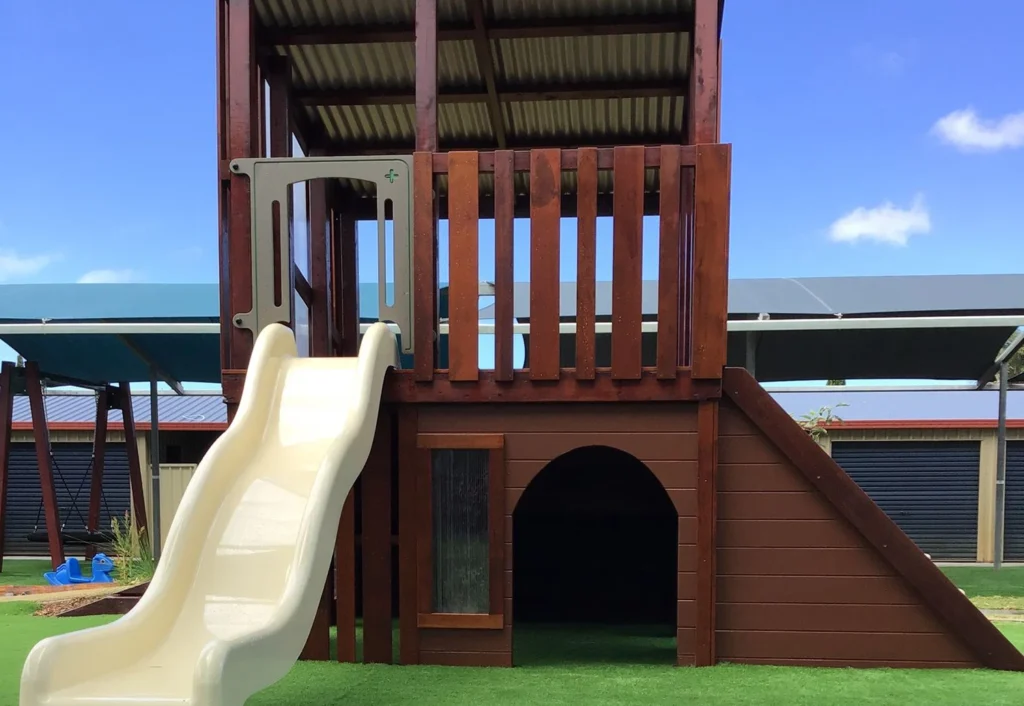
(408, 642)
(41, 434)
(279, 82)
(669, 269)
(99, 455)
(376, 501)
(6, 417)
(704, 73)
(424, 264)
(545, 234)
(426, 75)
(347, 306)
(627, 251)
(319, 268)
(504, 276)
(707, 521)
(463, 267)
(685, 332)
(586, 262)
(345, 581)
(711, 261)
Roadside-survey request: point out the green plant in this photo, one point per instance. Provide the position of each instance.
(133, 560)
(817, 421)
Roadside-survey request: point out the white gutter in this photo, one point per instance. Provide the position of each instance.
(829, 324)
(111, 328)
(823, 324)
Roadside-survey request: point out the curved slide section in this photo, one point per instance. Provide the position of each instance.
(237, 588)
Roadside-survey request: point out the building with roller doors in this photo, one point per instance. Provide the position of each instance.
(928, 457)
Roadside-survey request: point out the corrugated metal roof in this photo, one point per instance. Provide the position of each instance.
(902, 405)
(618, 59)
(75, 409)
(826, 296)
(862, 406)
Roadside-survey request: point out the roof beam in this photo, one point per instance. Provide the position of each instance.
(172, 382)
(509, 93)
(462, 32)
(485, 63)
(1013, 344)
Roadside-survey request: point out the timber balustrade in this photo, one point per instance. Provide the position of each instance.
(687, 187)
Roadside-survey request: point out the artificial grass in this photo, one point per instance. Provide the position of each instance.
(572, 666)
(988, 588)
(24, 572)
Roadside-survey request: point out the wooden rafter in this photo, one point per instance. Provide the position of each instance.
(509, 93)
(460, 31)
(485, 64)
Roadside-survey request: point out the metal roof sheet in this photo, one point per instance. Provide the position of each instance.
(521, 61)
(862, 406)
(825, 296)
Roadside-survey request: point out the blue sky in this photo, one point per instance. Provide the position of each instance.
(871, 137)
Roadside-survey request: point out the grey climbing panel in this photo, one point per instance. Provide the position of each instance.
(270, 182)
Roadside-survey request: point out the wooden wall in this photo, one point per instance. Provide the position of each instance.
(797, 584)
(663, 436)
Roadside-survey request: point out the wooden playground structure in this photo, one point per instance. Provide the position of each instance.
(781, 559)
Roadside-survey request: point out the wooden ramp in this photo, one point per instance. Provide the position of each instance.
(810, 571)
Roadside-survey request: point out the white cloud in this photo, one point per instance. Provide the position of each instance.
(14, 266)
(109, 277)
(886, 223)
(968, 132)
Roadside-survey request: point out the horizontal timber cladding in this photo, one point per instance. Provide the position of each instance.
(797, 583)
(663, 436)
(72, 464)
(1013, 532)
(928, 488)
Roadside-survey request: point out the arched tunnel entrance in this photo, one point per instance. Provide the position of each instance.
(595, 545)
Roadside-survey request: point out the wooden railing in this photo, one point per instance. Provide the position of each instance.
(686, 186)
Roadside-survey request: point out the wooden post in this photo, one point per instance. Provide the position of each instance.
(707, 522)
(704, 84)
(376, 500)
(131, 445)
(408, 601)
(426, 75)
(6, 415)
(41, 434)
(238, 118)
(345, 581)
(711, 261)
(99, 454)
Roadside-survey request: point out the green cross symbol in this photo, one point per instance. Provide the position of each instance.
(391, 175)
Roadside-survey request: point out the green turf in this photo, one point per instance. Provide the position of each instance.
(988, 588)
(24, 572)
(572, 667)
(581, 666)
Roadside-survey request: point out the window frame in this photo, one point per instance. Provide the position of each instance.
(494, 618)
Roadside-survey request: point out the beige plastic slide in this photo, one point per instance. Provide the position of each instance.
(237, 588)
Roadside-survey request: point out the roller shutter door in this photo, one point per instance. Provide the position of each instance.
(930, 489)
(24, 495)
(1013, 528)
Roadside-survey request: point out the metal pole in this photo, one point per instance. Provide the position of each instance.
(1001, 465)
(154, 461)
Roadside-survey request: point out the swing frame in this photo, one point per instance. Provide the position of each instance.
(108, 397)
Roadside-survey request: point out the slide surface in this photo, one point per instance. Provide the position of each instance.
(236, 591)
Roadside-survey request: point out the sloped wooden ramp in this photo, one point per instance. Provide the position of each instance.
(810, 571)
